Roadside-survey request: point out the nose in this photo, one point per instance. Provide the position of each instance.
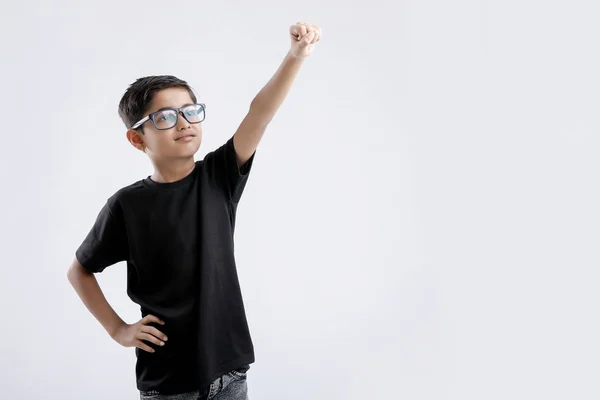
(181, 121)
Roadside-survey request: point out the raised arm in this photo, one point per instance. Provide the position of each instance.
(266, 103)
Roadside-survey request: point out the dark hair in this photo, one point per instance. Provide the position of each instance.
(136, 100)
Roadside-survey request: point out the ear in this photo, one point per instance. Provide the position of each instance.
(135, 138)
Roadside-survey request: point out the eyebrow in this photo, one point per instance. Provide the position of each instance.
(165, 108)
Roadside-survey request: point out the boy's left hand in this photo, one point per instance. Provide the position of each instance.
(304, 37)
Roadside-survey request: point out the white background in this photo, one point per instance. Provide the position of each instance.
(422, 218)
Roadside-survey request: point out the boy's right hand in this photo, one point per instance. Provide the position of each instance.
(131, 335)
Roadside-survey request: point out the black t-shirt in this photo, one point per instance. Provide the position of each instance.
(177, 239)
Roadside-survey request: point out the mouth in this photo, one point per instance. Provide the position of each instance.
(190, 135)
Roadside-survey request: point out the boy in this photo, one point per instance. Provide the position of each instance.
(175, 230)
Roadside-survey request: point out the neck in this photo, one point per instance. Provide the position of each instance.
(172, 170)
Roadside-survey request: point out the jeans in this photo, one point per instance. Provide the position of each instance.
(231, 386)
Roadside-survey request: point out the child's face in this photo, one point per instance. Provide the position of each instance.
(162, 144)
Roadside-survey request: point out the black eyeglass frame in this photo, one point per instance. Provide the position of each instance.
(177, 112)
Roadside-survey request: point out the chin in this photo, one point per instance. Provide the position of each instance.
(192, 150)
(197, 147)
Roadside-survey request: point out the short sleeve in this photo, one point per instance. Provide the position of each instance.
(106, 243)
(223, 168)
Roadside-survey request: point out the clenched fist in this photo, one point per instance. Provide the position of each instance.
(304, 37)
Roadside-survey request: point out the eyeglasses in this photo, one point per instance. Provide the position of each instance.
(167, 117)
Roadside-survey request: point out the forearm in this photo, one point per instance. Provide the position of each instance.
(86, 286)
(272, 95)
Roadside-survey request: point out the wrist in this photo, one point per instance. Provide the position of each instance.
(114, 330)
(296, 57)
